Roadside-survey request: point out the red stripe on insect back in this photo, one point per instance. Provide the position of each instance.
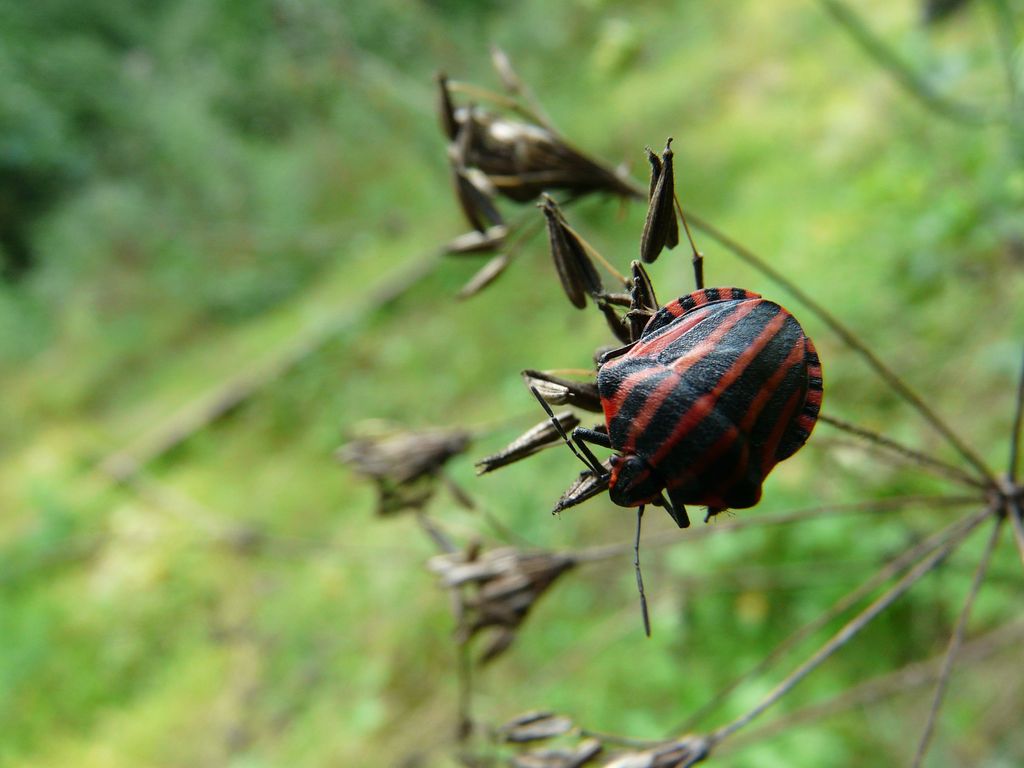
(667, 335)
(703, 405)
(806, 421)
(614, 404)
(712, 454)
(771, 445)
(648, 409)
(796, 354)
(709, 344)
(754, 410)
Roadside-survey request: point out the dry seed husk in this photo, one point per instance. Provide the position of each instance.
(486, 275)
(558, 391)
(535, 726)
(445, 108)
(584, 487)
(537, 438)
(474, 242)
(476, 204)
(661, 229)
(577, 273)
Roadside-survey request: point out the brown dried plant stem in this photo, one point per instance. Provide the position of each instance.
(809, 514)
(848, 338)
(1015, 433)
(943, 468)
(911, 81)
(955, 641)
(1016, 512)
(888, 571)
(851, 628)
(879, 688)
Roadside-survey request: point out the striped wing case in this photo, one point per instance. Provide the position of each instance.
(721, 386)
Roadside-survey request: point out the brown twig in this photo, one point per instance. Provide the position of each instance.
(919, 457)
(1015, 432)
(879, 688)
(888, 571)
(809, 514)
(955, 641)
(908, 78)
(1016, 512)
(850, 339)
(850, 630)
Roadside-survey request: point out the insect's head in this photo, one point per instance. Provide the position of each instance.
(632, 483)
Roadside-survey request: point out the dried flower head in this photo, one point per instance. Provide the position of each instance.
(405, 465)
(675, 754)
(537, 438)
(522, 159)
(496, 589)
(576, 271)
(661, 229)
(568, 757)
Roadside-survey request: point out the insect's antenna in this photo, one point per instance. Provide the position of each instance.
(591, 461)
(639, 576)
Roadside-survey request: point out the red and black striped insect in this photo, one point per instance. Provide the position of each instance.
(720, 387)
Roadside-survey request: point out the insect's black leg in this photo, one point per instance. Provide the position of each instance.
(677, 511)
(617, 352)
(712, 511)
(581, 436)
(639, 577)
(590, 460)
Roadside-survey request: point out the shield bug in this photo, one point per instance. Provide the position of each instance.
(720, 387)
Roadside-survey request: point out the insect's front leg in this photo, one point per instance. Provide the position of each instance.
(582, 435)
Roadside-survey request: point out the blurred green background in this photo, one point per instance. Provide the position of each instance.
(198, 199)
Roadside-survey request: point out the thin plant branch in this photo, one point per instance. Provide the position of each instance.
(1004, 29)
(1015, 433)
(919, 457)
(519, 89)
(955, 642)
(900, 681)
(903, 73)
(850, 630)
(888, 571)
(809, 514)
(500, 100)
(887, 374)
(464, 728)
(1016, 512)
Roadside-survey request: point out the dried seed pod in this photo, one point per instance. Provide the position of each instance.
(583, 754)
(558, 391)
(478, 242)
(576, 271)
(542, 436)
(505, 583)
(619, 326)
(675, 754)
(471, 190)
(661, 229)
(445, 108)
(534, 726)
(642, 289)
(586, 486)
(486, 275)
(405, 465)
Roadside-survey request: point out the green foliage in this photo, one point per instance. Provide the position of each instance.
(202, 183)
